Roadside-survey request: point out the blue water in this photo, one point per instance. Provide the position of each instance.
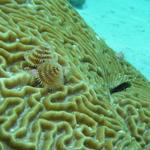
(125, 27)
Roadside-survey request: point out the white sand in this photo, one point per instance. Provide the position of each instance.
(125, 26)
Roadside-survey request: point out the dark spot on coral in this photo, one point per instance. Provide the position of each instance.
(120, 87)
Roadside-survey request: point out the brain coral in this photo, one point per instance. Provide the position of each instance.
(104, 103)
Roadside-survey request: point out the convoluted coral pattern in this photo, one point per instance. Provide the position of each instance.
(103, 102)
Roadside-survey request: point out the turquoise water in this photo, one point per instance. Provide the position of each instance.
(125, 27)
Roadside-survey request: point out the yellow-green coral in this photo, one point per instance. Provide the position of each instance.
(104, 102)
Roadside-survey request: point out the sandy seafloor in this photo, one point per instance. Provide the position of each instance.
(125, 26)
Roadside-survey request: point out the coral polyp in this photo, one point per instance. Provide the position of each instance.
(38, 55)
(50, 75)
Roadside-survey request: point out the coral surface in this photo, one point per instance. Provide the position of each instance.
(87, 97)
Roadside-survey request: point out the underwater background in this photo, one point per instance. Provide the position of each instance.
(125, 27)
